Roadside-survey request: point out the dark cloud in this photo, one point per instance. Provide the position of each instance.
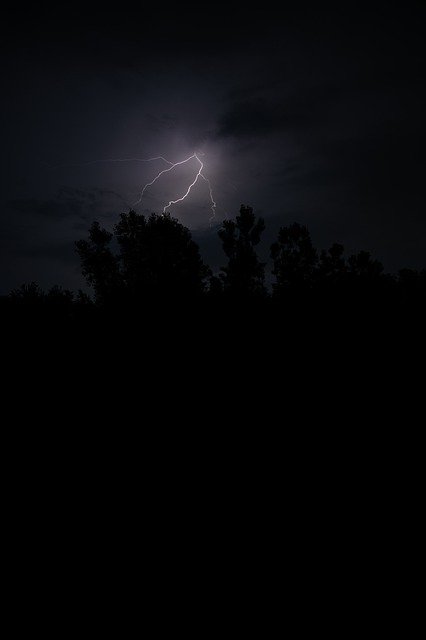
(57, 251)
(250, 120)
(289, 108)
(69, 203)
(55, 208)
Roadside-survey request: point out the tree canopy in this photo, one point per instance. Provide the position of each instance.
(154, 256)
(244, 274)
(153, 259)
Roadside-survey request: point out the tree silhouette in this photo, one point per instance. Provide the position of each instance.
(100, 266)
(362, 266)
(156, 258)
(244, 274)
(59, 297)
(332, 266)
(28, 293)
(148, 260)
(37, 305)
(295, 259)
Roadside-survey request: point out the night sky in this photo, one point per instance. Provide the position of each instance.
(315, 115)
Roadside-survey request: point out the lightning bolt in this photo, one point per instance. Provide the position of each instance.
(213, 203)
(171, 166)
(199, 174)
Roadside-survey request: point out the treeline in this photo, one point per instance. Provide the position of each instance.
(149, 261)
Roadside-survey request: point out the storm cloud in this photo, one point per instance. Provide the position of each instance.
(316, 115)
